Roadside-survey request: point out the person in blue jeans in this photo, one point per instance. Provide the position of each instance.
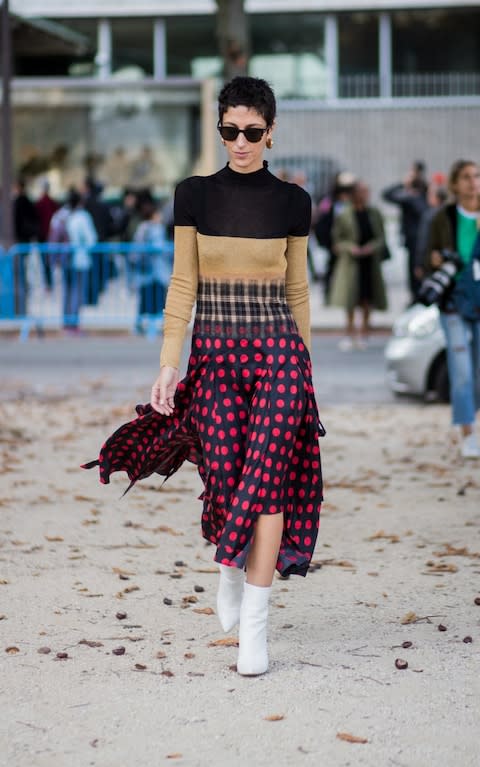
(456, 227)
(153, 265)
(82, 236)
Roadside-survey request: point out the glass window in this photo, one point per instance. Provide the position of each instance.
(192, 46)
(132, 45)
(436, 41)
(358, 55)
(358, 43)
(288, 51)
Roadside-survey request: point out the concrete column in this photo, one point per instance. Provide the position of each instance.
(207, 162)
(385, 55)
(331, 55)
(6, 231)
(103, 59)
(159, 49)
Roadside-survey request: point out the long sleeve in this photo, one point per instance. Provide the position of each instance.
(296, 285)
(296, 278)
(442, 233)
(182, 291)
(377, 243)
(395, 194)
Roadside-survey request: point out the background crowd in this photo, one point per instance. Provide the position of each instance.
(78, 237)
(345, 225)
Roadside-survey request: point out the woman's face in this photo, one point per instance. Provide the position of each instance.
(467, 185)
(245, 156)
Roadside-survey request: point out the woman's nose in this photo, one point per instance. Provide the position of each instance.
(241, 140)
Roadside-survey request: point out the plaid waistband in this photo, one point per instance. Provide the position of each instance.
(240, 307)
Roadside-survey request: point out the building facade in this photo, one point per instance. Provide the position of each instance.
(363, 85)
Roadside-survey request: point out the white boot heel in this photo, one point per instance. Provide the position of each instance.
(252, 654)
(229, 596)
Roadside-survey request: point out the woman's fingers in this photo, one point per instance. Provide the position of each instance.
(155, 397)
(163, 391)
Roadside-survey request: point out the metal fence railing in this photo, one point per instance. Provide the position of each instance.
(420, 86)
(119, 286)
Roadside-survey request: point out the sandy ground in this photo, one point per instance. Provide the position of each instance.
(398, 555)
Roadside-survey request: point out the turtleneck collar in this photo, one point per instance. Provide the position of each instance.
(255, 178)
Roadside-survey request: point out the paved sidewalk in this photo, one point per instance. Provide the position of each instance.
(86, 575)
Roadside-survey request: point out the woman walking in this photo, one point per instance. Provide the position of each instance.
(245, 412)
(359, 243)
(456, 227)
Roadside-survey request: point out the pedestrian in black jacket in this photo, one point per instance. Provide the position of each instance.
(26, 228)
(411, 198)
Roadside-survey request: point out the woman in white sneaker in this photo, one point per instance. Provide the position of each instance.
(456, 227)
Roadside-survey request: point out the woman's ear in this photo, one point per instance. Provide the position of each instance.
(269, 141)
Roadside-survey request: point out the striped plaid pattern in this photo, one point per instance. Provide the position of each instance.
(240, 307)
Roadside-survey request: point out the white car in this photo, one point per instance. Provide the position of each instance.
(416, 355)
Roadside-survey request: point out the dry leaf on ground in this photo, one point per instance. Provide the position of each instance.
(452, 551)
(410, 617)
(349, 738)
(274, 717)
(226, 642)
(382, 535)
(440, 567)
(337, 563)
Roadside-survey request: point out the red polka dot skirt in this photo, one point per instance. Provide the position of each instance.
(245, 414)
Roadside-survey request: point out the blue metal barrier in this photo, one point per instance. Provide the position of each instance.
(7, 302)
(124, 287)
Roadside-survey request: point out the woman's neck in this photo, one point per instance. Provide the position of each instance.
(470, 204)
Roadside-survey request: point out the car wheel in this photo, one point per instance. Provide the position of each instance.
(439, 382)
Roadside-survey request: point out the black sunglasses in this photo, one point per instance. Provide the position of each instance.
(230, 133)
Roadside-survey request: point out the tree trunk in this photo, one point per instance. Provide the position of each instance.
(233, 37)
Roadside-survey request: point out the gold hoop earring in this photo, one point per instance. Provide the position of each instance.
(269, 142)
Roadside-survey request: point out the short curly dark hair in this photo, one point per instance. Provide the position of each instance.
(251, 92)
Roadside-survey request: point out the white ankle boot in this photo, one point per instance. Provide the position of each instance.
(229, 596)
(252, 654)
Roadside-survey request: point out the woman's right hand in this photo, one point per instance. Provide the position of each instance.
(436, 259)
(163, 390)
